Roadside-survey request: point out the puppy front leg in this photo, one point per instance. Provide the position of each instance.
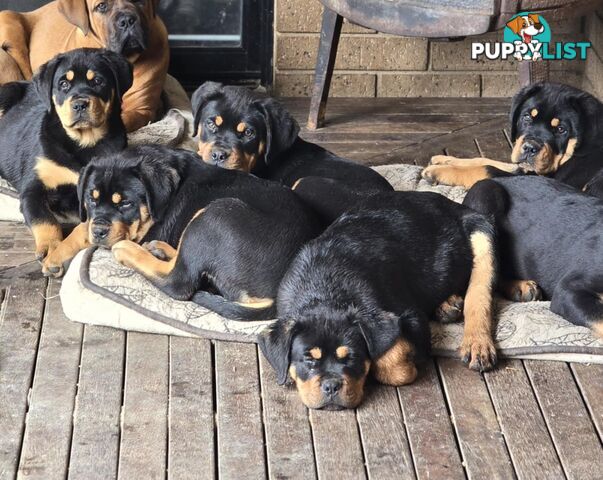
(77, 240)
(41, 221)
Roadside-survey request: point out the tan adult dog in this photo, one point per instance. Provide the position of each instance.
(129, 27)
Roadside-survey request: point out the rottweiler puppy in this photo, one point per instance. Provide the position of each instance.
(550, 246)
(50, 128)
(221, 238)
(358, 299)
(243, 130)
(557, 132)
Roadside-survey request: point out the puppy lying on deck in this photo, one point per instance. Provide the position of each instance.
(556, 129)
(50, 129)
(550, 244)
(243, 130)
(358, 299)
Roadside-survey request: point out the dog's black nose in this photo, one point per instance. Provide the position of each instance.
(80, 105)
(330, 386)
(126, 20)
(218, 155)
(530, 148)
(100, 230)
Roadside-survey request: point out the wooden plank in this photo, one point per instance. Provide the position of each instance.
(462, 147)
(429, 428)
(240, 433)
(590, 380)
(288, 437)
(384, 440)
(47, 439)
(95, 444)
(568, 421)
(495, 146)
(528, 440)
(191, 447)
(143, 449)
(20, 324)
(337, 444)
(480, 439)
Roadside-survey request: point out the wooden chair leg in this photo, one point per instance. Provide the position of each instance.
(327, 52)
(532, 72)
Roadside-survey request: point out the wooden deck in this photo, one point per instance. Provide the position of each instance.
(95, 403)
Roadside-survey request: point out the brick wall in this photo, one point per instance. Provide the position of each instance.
(593, 72)
(374, 64)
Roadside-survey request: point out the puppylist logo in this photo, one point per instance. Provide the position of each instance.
(527, 36)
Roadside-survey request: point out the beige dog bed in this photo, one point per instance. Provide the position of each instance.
(97, 290)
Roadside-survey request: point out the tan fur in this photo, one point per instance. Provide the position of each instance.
(64, 25)
(555, 122)
(534, 112)
(569, 151)
(316, 353)
(70, 75)
(218, 120)
(477, 343)
(473, 162)
(90, 75)
(91, 132)
(46, 236)
(95, 194)
(597, 328)
(516, 153)
(204, 150)
(254, 302)
(76, 241)
(395, 366)
(450, 310)
(453, 175)
(116, 198)
(342, 352)
(169, 251)
(519, 290)
(296, 184)
(53, 175)
(134, 256)
(241, 127)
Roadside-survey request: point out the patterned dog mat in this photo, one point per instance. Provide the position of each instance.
(97, 290)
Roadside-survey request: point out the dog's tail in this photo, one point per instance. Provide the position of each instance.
(265, 310)
(10, 94)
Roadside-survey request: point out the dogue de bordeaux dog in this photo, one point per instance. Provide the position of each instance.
(549, 239)
(221, 238)
(50, 128)
(244, 130)
(557, 131)
(358, 299)
(129, 27)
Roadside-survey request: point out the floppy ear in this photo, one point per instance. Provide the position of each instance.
(591, 109)
(154, 5)
(380, 331)
(76, 13)
(275, 343)
(515, 24)
(43, 79)
(281, 128)
(517, 102)
(81, 186)
(160, 181)
(121, 69)
(534, 17)
(205, 93)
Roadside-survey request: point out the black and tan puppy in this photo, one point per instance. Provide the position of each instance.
(556, 129)
(549, 244)
(243, 130)
(51, 128)
(218, 237)
(358, 299)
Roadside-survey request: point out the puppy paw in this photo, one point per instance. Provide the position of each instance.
(451, 310)
(478, 353)
(126, 252)
(522, 291)
(160, 250)
(431, 174)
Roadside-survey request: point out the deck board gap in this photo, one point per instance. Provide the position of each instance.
(262, 413)
(591, 414)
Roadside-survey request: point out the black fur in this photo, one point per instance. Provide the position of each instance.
(239, 246)
(551, 234)
(270, 140)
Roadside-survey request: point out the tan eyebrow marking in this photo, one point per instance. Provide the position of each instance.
(95, 194)
(219, 120)
(241, 127)
(555, 122)
(70, 75)
(116, 198)
(342, 352)
(316, 353)
(90, 74)
(534, 112)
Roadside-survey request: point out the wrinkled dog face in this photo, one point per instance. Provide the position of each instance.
(546, 127)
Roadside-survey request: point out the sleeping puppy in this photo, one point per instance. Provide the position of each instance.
(243, 130)
(218, 237)
(50, 128)
(550, 246)
(557, 132)
(358, 299)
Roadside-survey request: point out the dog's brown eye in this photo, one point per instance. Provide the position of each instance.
(97, 81)
(248, 132)
(64, 85)
(527, 116)
(561, 130)
(101, 7)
